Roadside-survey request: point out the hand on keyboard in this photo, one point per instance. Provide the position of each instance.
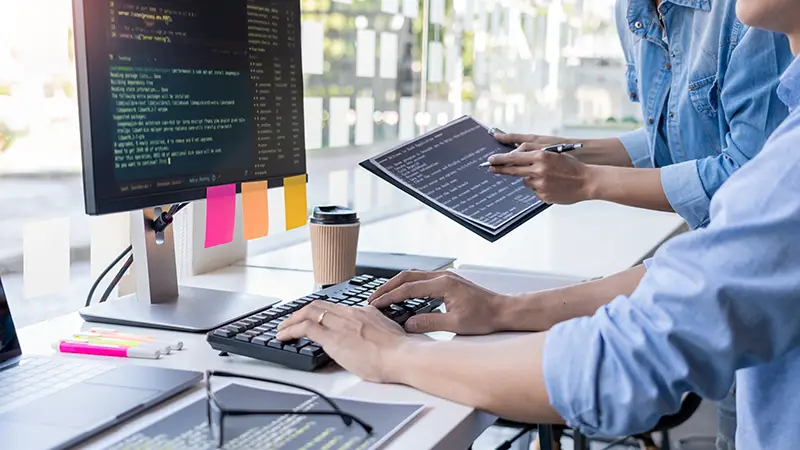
(471, 309)
(362, 340)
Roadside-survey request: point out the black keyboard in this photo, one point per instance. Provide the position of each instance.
(254, 336)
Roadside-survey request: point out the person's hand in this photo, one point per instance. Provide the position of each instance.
(555, 178)
(529, 142)
(361, 340)
(471, 309)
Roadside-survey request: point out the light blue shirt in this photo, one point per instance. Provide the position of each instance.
(707, 91)
(716, 303)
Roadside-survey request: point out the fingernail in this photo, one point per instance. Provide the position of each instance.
(411, 325)
(280, 335)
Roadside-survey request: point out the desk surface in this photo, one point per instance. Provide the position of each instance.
(587, 240)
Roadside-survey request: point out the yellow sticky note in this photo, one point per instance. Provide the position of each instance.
(255, 209)
(294, 191)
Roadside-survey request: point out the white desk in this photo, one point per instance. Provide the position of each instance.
(589, 240)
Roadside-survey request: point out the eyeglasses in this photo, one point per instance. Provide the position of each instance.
(212, 402)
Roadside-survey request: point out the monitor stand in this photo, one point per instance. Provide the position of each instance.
(159, 302)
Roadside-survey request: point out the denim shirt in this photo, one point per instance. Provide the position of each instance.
(717, 303)
(708, 83)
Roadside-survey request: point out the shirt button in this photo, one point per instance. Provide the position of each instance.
(638, 25)
(671, 115)
(669, 66)
(650, 121)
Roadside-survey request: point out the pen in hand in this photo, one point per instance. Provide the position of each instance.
(560, 148)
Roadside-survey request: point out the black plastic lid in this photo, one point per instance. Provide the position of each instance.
(334, 215)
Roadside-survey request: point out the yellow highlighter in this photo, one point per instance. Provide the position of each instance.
(100, 340)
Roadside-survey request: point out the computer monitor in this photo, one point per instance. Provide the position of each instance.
(177, 96)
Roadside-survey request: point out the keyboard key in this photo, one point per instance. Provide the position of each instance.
(244, 337)
(340, 297)
(261, 340)
(275, 344)
(349, 302)
(224, 332)
(274, 324)
(302, 342)
(311, 350)
(261, 329)
(291, 346)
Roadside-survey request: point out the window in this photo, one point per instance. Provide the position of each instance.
(377, 72)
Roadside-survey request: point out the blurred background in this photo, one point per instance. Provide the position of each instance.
(377, 72)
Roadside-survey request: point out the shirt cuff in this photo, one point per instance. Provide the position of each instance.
(571, 393)
(635, 143)
(647, 263)
(685, 192)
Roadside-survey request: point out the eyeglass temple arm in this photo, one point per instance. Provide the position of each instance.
(347, 418)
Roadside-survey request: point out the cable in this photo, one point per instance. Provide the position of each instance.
(158, 225)
(117, 279)
(619, 441)
(105, 272)
(507, 444)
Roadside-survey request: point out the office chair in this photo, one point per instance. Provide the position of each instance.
(689, 405)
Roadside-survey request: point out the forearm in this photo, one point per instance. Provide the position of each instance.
(541, 310)
(459, 371)
(639, 188)
(602, 152)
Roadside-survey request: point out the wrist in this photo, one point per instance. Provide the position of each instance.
(593, 182)
(400, 363)
(524, 312)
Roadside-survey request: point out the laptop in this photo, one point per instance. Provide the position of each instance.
(56, 403)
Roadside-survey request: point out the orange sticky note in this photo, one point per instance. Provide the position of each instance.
(255, 208)
(220, 214)
(294, 193)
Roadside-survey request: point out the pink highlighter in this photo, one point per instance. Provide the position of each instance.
(83, 348)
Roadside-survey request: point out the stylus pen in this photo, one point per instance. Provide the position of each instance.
(95, 339)
(560, 148)
(110, 333)
(84, 348)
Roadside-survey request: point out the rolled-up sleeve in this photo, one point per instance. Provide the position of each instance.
(635, 143)
(691, 322)
(749, 100)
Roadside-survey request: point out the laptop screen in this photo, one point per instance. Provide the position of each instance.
(9, 345)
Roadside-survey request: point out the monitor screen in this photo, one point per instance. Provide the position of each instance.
(180, 95)
(9, 344)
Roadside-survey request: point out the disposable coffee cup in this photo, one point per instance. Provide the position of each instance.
(334, 244)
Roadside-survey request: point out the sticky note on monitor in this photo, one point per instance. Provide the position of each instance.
(220, 214)
(255, 210)
(294, 191)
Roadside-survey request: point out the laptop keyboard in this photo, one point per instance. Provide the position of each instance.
(35, 378)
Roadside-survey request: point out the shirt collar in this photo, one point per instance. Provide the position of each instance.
(704, 5)
(789, 86)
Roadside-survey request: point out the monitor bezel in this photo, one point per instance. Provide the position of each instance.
(14, 355)
(95, 205)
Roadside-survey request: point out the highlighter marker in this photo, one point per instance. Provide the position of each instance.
(96, 339)
(111, 333)
(83, 348)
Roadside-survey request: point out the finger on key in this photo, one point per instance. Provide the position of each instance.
(307, 329)
(401, 279)
(313, 312)
(433, 287)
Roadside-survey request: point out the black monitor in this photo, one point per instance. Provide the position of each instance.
(177, 96)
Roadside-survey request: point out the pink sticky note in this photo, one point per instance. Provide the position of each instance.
(220, 214)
